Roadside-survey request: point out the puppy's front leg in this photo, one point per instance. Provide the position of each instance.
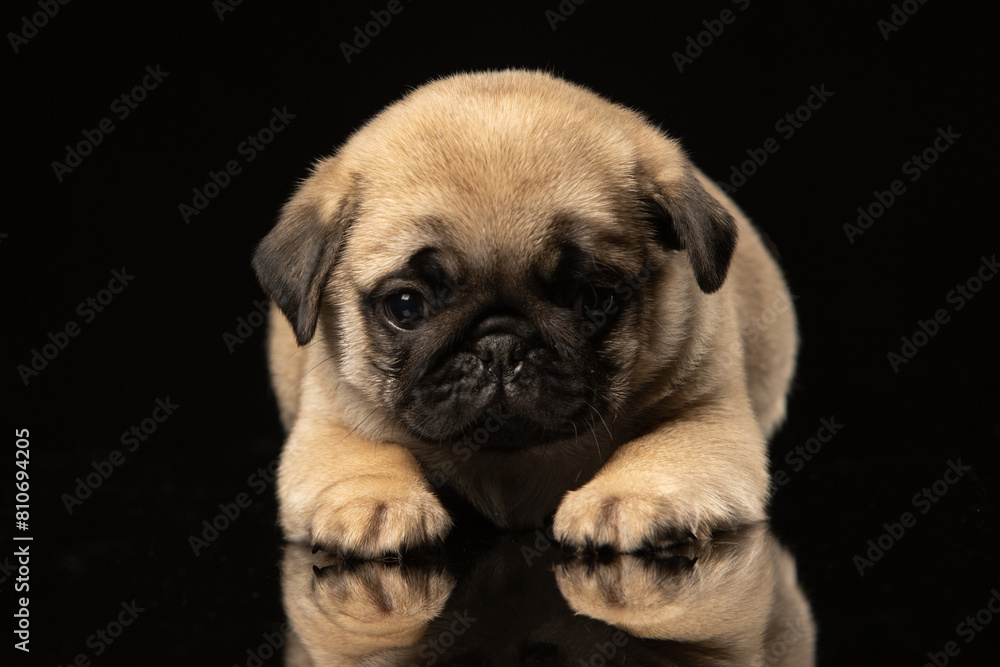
(349, 494)
(703, 469)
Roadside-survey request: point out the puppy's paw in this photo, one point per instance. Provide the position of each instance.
(622, 520)
(374, 515)
(628, 517)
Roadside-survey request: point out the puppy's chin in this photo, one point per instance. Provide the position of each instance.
(497, 416)
(501, 428)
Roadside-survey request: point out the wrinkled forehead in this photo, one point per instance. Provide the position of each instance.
(493, 184)
(381, 250)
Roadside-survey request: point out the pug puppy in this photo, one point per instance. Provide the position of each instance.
(509, 285)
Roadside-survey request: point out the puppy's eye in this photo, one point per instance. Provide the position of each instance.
(596, 301)
(405, 309)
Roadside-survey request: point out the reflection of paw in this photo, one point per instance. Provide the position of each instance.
(375, 600)
(344, 611)
(624, 589)
(719, 589)
(623, 519)
(374, 515)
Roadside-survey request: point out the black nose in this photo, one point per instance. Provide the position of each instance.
(502, 354)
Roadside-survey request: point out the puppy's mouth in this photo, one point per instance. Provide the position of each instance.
(507, 397)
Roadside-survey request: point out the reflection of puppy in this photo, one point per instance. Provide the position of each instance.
(737, 592)
(342, 613)
(728, 600)
(510, 285)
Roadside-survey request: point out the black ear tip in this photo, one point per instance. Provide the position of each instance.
(710, 277)
(714, 266)
(305, 328)
(692, 220)
(710, 284)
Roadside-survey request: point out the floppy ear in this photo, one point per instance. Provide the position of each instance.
(688, 218)
(295, 259)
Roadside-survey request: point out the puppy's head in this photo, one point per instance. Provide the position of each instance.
(496, 251)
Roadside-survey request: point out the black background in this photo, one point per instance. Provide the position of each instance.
(162, 336)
